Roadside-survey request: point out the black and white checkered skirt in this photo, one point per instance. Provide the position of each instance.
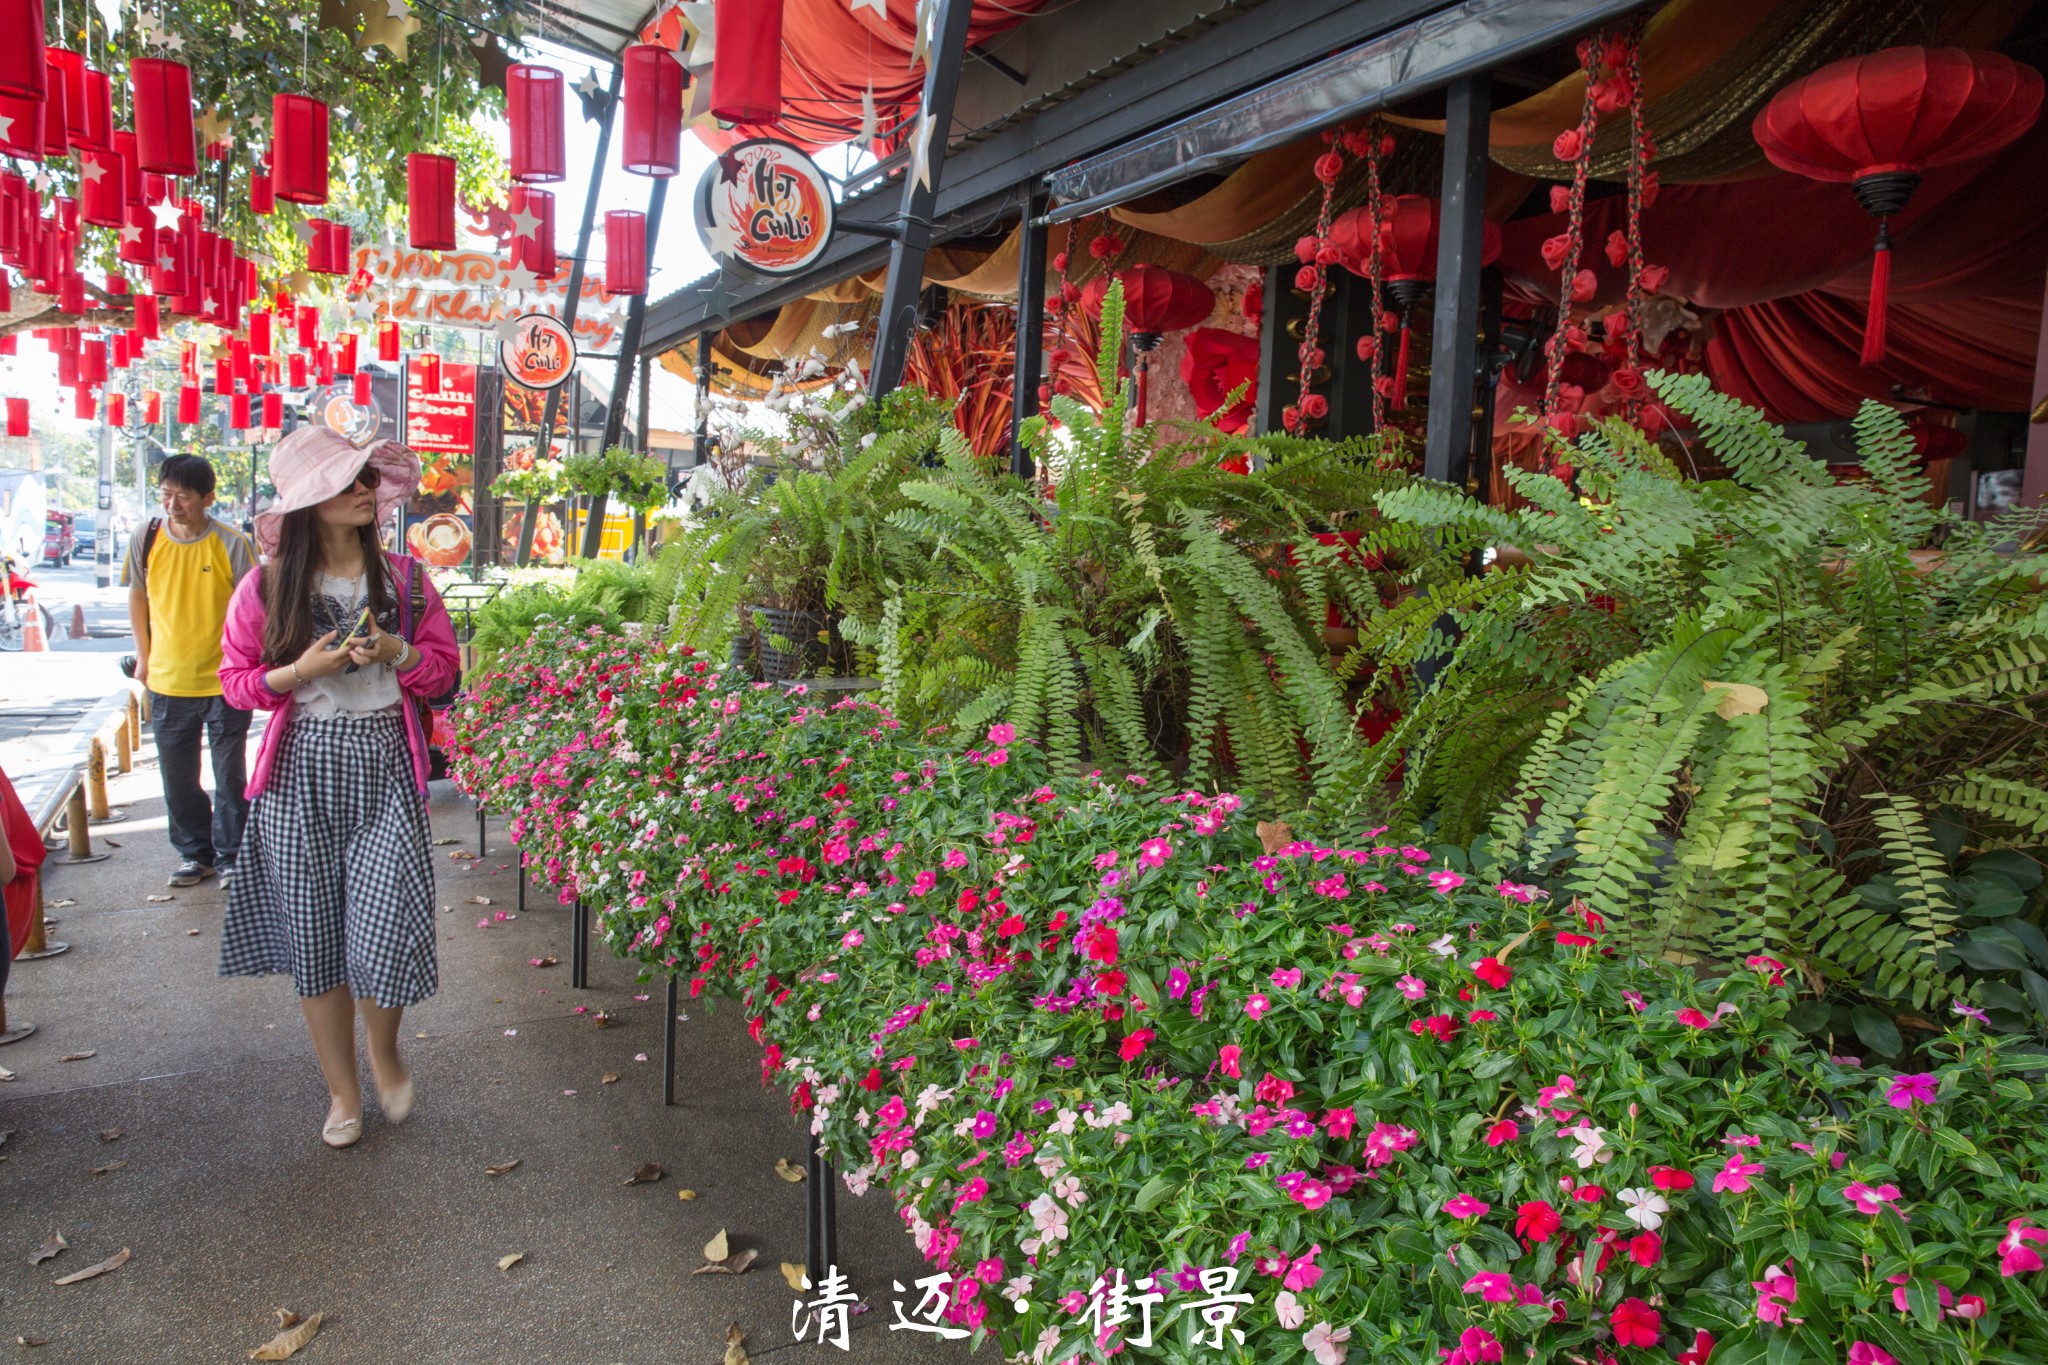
(335, 883)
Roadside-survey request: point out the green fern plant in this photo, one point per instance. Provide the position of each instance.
(1742, 716)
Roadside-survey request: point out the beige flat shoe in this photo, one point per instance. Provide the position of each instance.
(397, 1105)
(342, 1132)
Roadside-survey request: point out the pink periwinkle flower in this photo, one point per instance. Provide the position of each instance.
(1465, 1206)
(1869, 1200)
(2016, 1254)
(1907, 1091)
(1735, 1175)
(1414, 987)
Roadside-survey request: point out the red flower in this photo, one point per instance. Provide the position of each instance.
(1635, 1323)
(1100, 945)
(1059, 262)
(1572, 940)
(1617, 247)
(1010, 927)
(970, 899)
(1493, 972)
(873, 1080)
(1654, 277)
(1444, 1027)
(1134, 1045)
(754, 1026)
(787, 897)
(1306, 277)
(1110, 983)
(1584, 285)
(1305, 249)
(1627, 381)
(1104, 246)
(1367, 346)
(1702, 1350)
(1315, 407)
(1646, 1249)
(1536, 1221)
(1556, 250)
(1568, 144)
(1329, 166)
(1560, 198)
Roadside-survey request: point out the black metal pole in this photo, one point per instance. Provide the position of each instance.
(554, 398)
(1454, 348)
(480, 831)
(668, 1045)
(703, 450)
(821, 1225)
(920, 197)
(1032, 241)
(522, 881)
(622, 377)
(579, 942)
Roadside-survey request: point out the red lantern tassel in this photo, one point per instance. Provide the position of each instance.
(1880, 295)
(1401, 369)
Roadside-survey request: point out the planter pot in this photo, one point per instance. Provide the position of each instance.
(808, 634)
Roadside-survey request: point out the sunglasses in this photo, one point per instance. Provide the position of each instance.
(366, 477)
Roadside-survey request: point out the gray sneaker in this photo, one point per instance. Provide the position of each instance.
(191, 872)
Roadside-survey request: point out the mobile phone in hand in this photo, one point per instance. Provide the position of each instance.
(359, 631)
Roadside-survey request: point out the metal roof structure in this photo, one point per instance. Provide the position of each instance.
(597, 28)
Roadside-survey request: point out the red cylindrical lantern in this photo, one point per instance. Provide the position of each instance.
(651, 138)
(17, 408)
(9, 344)
(164, 138)
(259, 333)
(22, 71)
(387, 340)
(345, 359)
(6, 291)
(535, 251)
(56, 133)
(122, 144)
(146, 318)
(427, 367)
(92, 362)
(340, 248)
(297, 368)
(317, 244)
(152, 406)
(625, 252)
(71, 292)
(103, 197)
(238, 411)
(23, 120)
(309, 325)
(117, 408)
(86, 404)
(69, 66)
(298, 149)
(430, 201)
(533, 108)
(262, 197)
(188, 403)
(746, 80)
(273, 411)
(224, 374)
(98, 98)
(362, 387)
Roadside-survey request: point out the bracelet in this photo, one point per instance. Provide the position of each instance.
(298, 679)
(404, 652)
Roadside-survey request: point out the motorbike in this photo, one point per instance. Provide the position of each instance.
(15, 607)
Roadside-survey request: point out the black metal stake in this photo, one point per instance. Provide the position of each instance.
(479, 830)
(522, 881)
(821, 1224)
(668, 1047)
(579, 945)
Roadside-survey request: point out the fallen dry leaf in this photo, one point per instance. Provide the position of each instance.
(109, 1134)
(59, 905)
(1737, 699)
(113, 1262)
(504, 1166)
(77, 1056)
(793, 1174)
(49, 1249)
(32, 1341)
(463, 855)
(1274, 835)
(110, 1166)
(284, 1344)
(717, 1249)
(286, 1317)
(438, 843)
(479, 900)
(5, 1074)
(799, 1280)
(543, 962)
(110, 843)
(507, 1262)
(735, 1353)
(159, 900)
(686, 1195)
(609, 1078)
(647, 1174)
(735, 1264)
(191, 933)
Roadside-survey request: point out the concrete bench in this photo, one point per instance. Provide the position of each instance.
(65, 777)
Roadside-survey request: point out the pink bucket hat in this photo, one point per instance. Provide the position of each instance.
(314, 463)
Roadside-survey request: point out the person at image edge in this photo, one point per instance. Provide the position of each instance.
(343, 641)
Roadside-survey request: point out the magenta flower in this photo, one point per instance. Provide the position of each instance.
(1002, 733)
(1476, 1346)
(1868, 1200)
(1154, 852)
(1970, 1012)
(1775, 1292)
(1735, 1175)
(1445, 881)
(1465, 1206)
(1237, 1246)
(984, 1125)
(1287, 978)
(1304, 1272)
(2016, 1254)
(1227, 1059)
(1907, 1091)
(1502, 1132)
(1492, 1287)
(1863, 1353)
(1385, 1140)
(1257, 1006)
(1312, 1195)
(1177, 982)
(1414, 987)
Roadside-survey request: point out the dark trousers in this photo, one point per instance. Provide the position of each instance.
(206, 832)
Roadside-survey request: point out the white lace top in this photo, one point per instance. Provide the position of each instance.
(337, 604)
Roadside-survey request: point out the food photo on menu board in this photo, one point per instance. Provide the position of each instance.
(440, 427)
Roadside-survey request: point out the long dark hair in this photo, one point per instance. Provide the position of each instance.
(288, 584)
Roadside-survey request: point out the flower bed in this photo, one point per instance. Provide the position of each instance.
(1101, 1044)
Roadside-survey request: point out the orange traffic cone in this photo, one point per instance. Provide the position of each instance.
(78, 620)
(33, 638)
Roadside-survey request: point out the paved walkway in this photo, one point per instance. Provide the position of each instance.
(232, 1207)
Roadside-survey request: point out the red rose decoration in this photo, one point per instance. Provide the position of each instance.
(1368, 347)
(1329, 166)
(1315, 407)
(1059, 262)
(1650, 187)
(1556, 250)
(1568, 145)
(1565, 424)
(1290, 417)
(1305, 249)
(1560, 198)
(1627, 381)
(1306, 277)
(1044, 395)
(1213, 364)
(1617, 247)
(1311, 356)
(1104, 247)
(1654, 277)
(1584, 286)
(1070, 291)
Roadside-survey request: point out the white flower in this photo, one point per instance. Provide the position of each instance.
(1327, 1343)
(1019, 1287)
(1646, 1207)
(1287, 1310)
(909, 1162)
(1048, 1342)
(857, 1181)
(1048, 1217)
(1050, 1164)
(1592, 1147)
(1443, 947)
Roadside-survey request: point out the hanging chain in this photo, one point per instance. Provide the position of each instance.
(1318, 269)
(1376, 270)
(1638, 161)
(1575, 229)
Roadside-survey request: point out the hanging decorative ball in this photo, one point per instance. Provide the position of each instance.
(1877, 121)
(298, 149)
(166, 142)
(651, 132)
(426, 367)
(1156, 301)
(533, 109)
(430, 201)
(746, 78)
(22, 72)
(625, 252)
(535, 250)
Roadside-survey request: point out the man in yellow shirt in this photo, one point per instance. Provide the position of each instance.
(180, 573)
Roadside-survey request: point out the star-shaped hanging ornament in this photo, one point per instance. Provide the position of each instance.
(131, 235)
(870, 121)
(303, 230)
(238, 31)
(110, 14)
(6, 128)
(167, 215)
(174, 41)
(880, 7)
(921, 153)
(296, 24)
(397, 9)
(506, 328)
(926, 15)
(700, 36)
(593, 97)
(526, 223)
(492, 61)
(517, 277)
(92, 170)
(721, 236)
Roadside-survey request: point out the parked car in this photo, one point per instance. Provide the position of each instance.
(85, 534)
(59, 540)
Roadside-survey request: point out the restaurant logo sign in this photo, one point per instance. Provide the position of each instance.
(539, 354)
(766, 206)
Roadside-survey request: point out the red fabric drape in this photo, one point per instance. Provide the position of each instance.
(20, 897)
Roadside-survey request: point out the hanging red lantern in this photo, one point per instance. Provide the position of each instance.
(92, 362)
(97, 97)
(1878, 121)
(1156, 301)
(1409, 234)
(22, 71)
(152, 406)
(625, 252)
(535, 250)
(259, 332)
(651, 136)
(238, 412)
(324, 365)
(273, 411)
(122, 144)
(23, 121)
(362, 388)
(68, 67)
(71, 292)
(188, 404)
(317, 244)
(56, 112)
(103, 199)
(17, 411)
(345, 356)
(533, 109)
(298, 149)
(430, 201)
(746, 79)
(340, 248)
(387, 340)
(86, 404)
(297, 368)
(224, 374)
(309, 325)
(262, 195)
(117, 408)
(147, 321)
(426, 367)
(165, 140)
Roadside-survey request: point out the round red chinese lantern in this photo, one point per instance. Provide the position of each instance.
(533, 109)
(1156, 301)
(298, 149)
(535, 250)
(746, 78)
(430, 201)
(165, 141)
(22, 72)
(1876, 122)
(625, 252)
(1408, 235)
(651, 132)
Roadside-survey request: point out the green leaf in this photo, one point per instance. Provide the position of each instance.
(1877, 1030)
(2024, 871)
(1152, 1191)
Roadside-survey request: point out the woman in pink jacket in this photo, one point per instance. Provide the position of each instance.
(335, 883)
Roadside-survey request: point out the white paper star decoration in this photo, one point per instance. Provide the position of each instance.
(880, 7)
(397, 9)
(526, 223)
(921, 154)
(167, 215)
(870, 122)
(517, 277)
